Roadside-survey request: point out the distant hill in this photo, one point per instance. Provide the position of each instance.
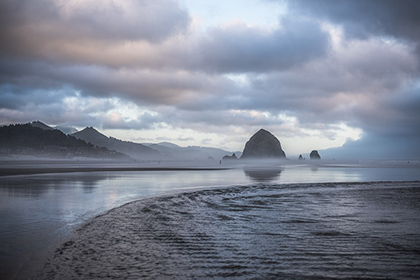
(37, 139)
(135, 150)
(160, 151)
(64, 129)
(40, 125)
(188, 153)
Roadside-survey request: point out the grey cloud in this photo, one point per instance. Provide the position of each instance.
(48, 112)
(17, 96)
(128, 20)
(143, 87)
(36, 28)
(112, 35)
(331, 87)
(212, 121)
(239, 48)
(399, 115)
(150, 87)
(144, 121)
(362, 19)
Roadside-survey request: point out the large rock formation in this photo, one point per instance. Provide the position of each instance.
(314, 155)
(263, 144)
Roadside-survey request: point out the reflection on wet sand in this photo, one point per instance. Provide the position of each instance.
(28, 187)
(35, 212)
(263, 175)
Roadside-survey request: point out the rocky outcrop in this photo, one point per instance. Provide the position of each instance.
(314, 155)
(263, 144)
(232, 157)
(300, 157)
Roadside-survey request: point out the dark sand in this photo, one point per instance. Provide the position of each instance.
(12, 168)
(295, 231)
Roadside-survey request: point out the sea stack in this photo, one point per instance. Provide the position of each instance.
(314, 155)
(263, 144)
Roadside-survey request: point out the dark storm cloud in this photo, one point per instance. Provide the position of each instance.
(401, 115)
(396, 18)
(363, 19)
(239, 48)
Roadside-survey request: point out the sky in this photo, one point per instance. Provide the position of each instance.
(318, 74)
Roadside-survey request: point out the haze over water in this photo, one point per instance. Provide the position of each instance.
(39, 212)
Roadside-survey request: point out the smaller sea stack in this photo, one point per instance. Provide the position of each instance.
(314, 155)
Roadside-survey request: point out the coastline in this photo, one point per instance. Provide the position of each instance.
(15, 167)
(33, 167)
(52, 170)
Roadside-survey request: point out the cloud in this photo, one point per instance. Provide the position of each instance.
(326, 69)
(364, 19)
(149, 35)
(92, 20)
(88, 31)
(349, 76)
(238, 48)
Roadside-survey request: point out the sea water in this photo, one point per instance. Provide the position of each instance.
(215, 224)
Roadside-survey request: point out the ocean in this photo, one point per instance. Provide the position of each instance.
(289, 221)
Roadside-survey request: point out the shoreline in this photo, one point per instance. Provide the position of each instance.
(52, 170)
(34, 166)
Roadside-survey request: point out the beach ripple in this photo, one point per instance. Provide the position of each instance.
(295, 231)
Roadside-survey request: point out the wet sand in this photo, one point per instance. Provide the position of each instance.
(30, 171)
(325, 231)
(13, 168)
(79, 189)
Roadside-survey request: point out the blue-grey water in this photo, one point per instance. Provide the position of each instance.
(291, 221)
